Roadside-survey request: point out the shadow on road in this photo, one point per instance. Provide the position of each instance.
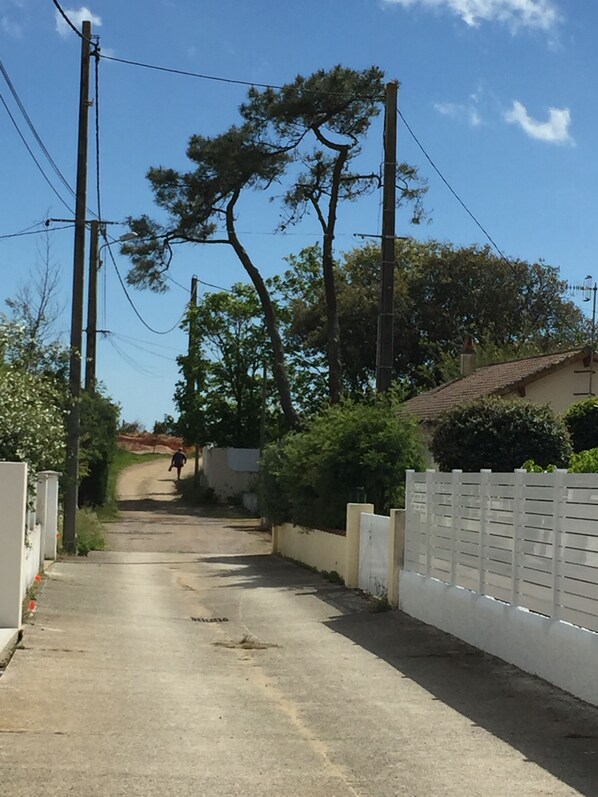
(547, 726)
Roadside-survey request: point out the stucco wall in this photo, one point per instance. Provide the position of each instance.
(230, 471)
(313, 547)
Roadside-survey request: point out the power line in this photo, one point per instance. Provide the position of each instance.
(31, 126)
(130, 301)
(30, 151)
(28, 231)
(450, 188)
(67, 19)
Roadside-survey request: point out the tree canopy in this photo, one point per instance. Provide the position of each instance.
(305, 137)
(442, 293)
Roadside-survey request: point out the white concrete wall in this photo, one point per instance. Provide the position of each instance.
(31, 560)
(13, 502)
(562, 654)
(230, 471)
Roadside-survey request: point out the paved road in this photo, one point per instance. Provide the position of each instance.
(187, 661)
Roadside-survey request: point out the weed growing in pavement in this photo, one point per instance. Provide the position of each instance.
(90, 532)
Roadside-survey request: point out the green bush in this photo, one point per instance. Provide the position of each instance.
(499, 434)
(584, 462)
(581, 420)
(99, 420)
(308, 477)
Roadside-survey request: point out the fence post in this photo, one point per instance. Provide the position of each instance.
(13, 499)
(559, 506)
(354, 511)
(518, 526)
(484, 502)
(455, 492)
(396, 553)
(47, 512)
(429, 514)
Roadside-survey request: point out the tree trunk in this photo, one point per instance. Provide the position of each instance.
(333, 326)
(279, 369)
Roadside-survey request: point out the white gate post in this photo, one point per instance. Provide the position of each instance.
(484, 506)
(352, 542)
(559, 506)
(455, 494)
(13, 499)
(430, 473)
(518, 526)
(47, 512)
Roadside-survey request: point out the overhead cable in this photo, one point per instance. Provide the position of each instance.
(34, 132)
(451, 189)
(130, 301)
(30, 151)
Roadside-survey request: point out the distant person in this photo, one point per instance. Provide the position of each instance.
(177, 461)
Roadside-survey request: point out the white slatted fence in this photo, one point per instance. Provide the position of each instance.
(527, 539)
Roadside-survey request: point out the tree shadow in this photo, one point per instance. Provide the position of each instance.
(546, 725)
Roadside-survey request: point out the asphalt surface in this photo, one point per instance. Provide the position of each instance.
(188, 661)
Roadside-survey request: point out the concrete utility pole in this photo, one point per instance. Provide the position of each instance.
(384, 359)
(69, 534)
(92, 308)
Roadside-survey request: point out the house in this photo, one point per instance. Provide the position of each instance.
(558, 379)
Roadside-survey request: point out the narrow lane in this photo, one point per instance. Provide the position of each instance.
(187, 661)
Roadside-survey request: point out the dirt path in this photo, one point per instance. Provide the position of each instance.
(152, 519)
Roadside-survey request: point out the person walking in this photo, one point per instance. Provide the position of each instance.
(177, 461)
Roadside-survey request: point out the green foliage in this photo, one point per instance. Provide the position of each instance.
(99, 421)
(166, 426)
(584, 462)
(581, 420)
(90, 532)
(499, 434)
(531, 466)
(310, 476)
(220, 396)
(442, 293)
(31, 421)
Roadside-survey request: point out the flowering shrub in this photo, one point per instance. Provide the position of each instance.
(31, 421)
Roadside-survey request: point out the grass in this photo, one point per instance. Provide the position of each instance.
(90, 532)
(122, 459)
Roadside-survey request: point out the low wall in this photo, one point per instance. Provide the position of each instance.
(558, 652)
(314, 547)
(230, 471)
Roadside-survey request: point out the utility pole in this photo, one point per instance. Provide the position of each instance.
(92, 308)
(69, 534)
(384, 358)
(192, 384)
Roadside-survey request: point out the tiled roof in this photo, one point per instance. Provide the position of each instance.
(489, 380)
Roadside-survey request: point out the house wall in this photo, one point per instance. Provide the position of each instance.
(562, 388)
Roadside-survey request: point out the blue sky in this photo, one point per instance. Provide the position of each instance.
(500, 92)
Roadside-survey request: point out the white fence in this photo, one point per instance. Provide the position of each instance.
(27, 537)
(526, 542)
(373, 554)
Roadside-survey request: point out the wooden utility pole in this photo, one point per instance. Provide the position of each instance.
(384, 358)
(92, 308)
(69, 534)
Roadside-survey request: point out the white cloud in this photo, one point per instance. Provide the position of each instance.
(77, 17)
(542, 14)
(554, 131)
(11, 28)
(458, 111)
